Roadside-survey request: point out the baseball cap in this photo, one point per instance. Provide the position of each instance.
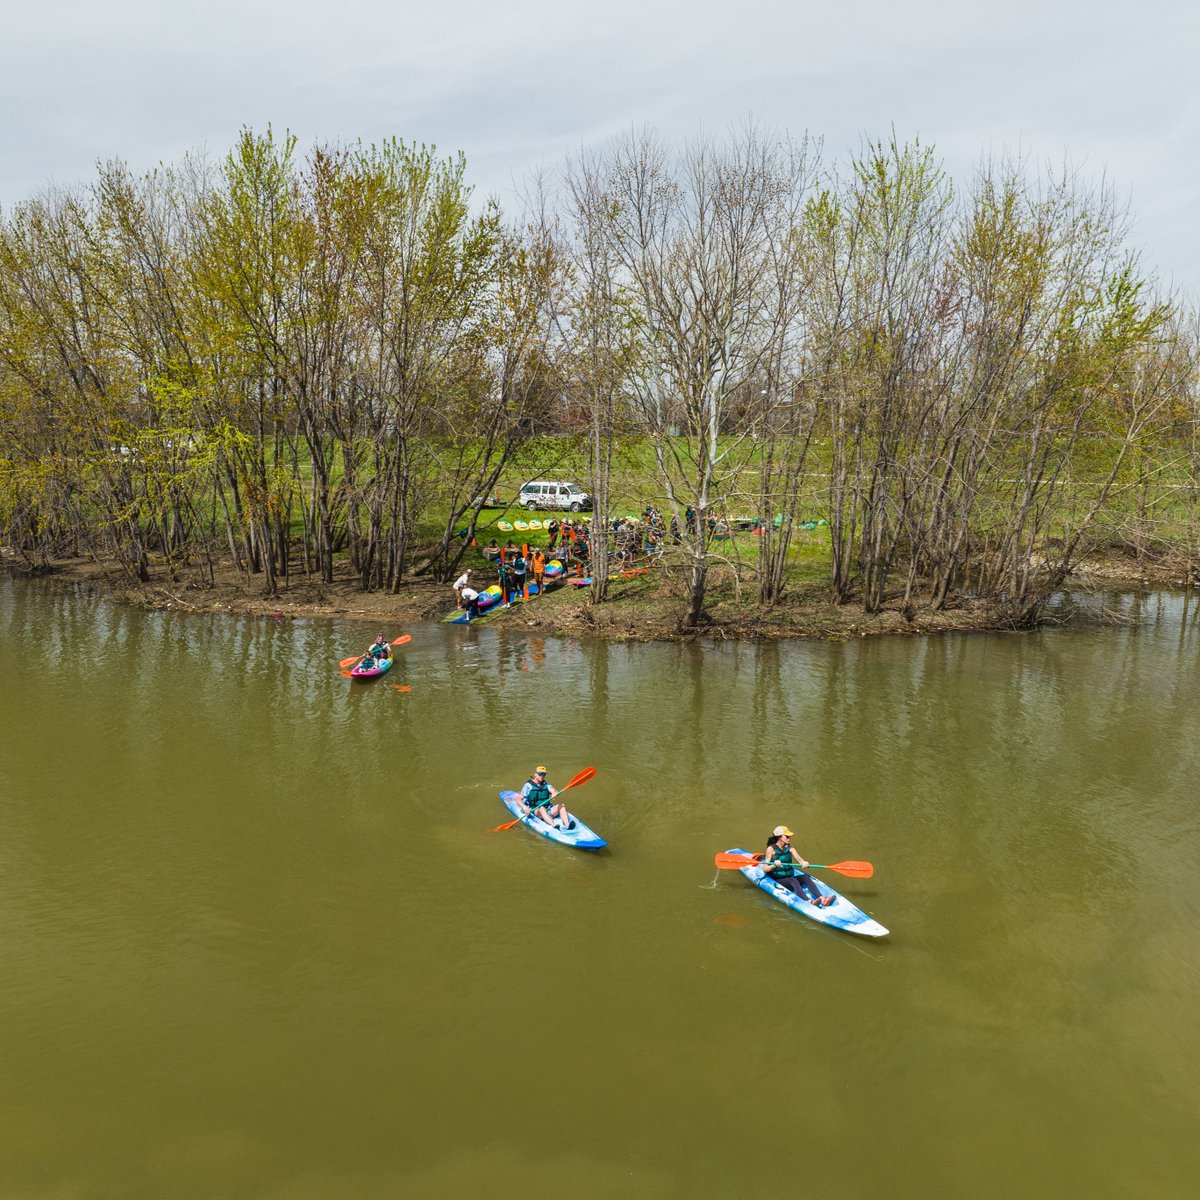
(783, 831)
(539, 770)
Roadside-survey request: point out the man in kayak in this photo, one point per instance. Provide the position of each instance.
(783, 864)
(536, 796)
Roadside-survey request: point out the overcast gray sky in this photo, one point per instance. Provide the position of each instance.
(514, 84)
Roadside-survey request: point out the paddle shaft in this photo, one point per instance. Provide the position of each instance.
(735, 862)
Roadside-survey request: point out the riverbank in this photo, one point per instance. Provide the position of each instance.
(643, 608)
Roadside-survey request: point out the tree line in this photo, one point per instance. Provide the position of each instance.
(279, 358)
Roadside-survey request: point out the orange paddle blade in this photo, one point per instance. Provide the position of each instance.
(583, 776)
(510, 824)
(735, 862)
(861, 870)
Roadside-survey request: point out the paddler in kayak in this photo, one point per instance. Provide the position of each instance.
(783, 864)
(535, 799)
(379, 651)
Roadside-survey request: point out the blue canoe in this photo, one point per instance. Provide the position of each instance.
(841, 914)
(579, 835)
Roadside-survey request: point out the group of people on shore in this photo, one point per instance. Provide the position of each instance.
(568, 540)
(517, 567)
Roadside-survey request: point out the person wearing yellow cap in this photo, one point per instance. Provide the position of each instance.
(783, 864)
(536, 796)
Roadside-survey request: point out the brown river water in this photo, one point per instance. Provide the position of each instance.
(258, 939)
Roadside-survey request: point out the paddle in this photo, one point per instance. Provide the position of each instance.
(405, 637)
(735, 862)
(582, 777)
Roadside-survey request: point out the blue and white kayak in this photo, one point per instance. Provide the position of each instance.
(841, 914)
(579, 835)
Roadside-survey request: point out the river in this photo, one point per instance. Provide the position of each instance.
(259, 940)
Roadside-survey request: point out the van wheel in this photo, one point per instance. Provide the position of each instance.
(576, 506)
(532, 505)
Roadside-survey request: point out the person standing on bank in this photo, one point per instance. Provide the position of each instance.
(470, 601)
(519, 567)
(537, 564)
(461, 582)
(536, 797)
(783, 865)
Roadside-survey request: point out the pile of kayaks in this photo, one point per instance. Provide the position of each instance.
(522, 526)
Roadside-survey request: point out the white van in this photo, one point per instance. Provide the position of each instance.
(554, 493)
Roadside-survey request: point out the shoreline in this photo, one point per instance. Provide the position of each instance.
(640, 609)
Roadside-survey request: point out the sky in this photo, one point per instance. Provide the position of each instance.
(520, 86)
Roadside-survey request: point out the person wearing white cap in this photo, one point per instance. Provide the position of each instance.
(536, 796)
(462, 581)
(783, 865)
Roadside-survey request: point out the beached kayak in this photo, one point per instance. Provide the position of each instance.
(378, 669)
(579, 835)
(841, 914)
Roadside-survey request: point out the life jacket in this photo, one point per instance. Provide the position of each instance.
(783, 866)
(539, 794)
